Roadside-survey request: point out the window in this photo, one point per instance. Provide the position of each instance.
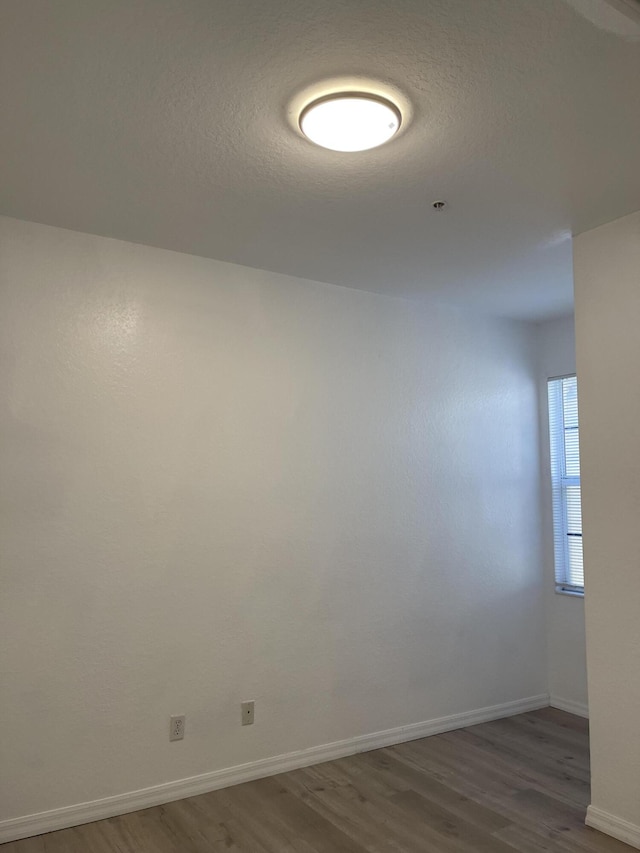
(565, 484)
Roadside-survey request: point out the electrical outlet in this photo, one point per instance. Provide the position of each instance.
(176, 727)
(247, 713)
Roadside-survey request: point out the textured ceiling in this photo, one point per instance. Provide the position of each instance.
(168, 122)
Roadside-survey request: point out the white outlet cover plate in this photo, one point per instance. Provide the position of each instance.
(176, 727)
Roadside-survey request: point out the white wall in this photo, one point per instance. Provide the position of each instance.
(566, 647)
(607, 296)
(221, 484)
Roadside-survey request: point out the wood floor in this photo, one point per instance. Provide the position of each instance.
(516, 784)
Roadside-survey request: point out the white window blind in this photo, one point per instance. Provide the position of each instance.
(565, 483)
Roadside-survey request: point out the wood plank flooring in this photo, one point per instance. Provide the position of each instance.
(520, 784)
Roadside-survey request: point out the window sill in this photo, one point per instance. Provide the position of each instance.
(572, 593)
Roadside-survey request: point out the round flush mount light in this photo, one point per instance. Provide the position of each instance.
(350, 121)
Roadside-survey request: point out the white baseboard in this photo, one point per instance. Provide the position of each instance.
(36, 824)
(580, 709)
(614, 826)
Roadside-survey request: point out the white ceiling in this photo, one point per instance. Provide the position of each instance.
(167, 122)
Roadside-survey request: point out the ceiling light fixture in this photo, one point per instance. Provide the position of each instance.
(350, 121)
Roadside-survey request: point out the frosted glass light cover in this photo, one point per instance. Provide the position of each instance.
(350, 122)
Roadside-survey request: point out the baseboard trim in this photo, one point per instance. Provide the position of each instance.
(36, 824)
(580, 709)
(614, 826)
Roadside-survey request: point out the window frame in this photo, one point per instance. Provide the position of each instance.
(562, 482)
